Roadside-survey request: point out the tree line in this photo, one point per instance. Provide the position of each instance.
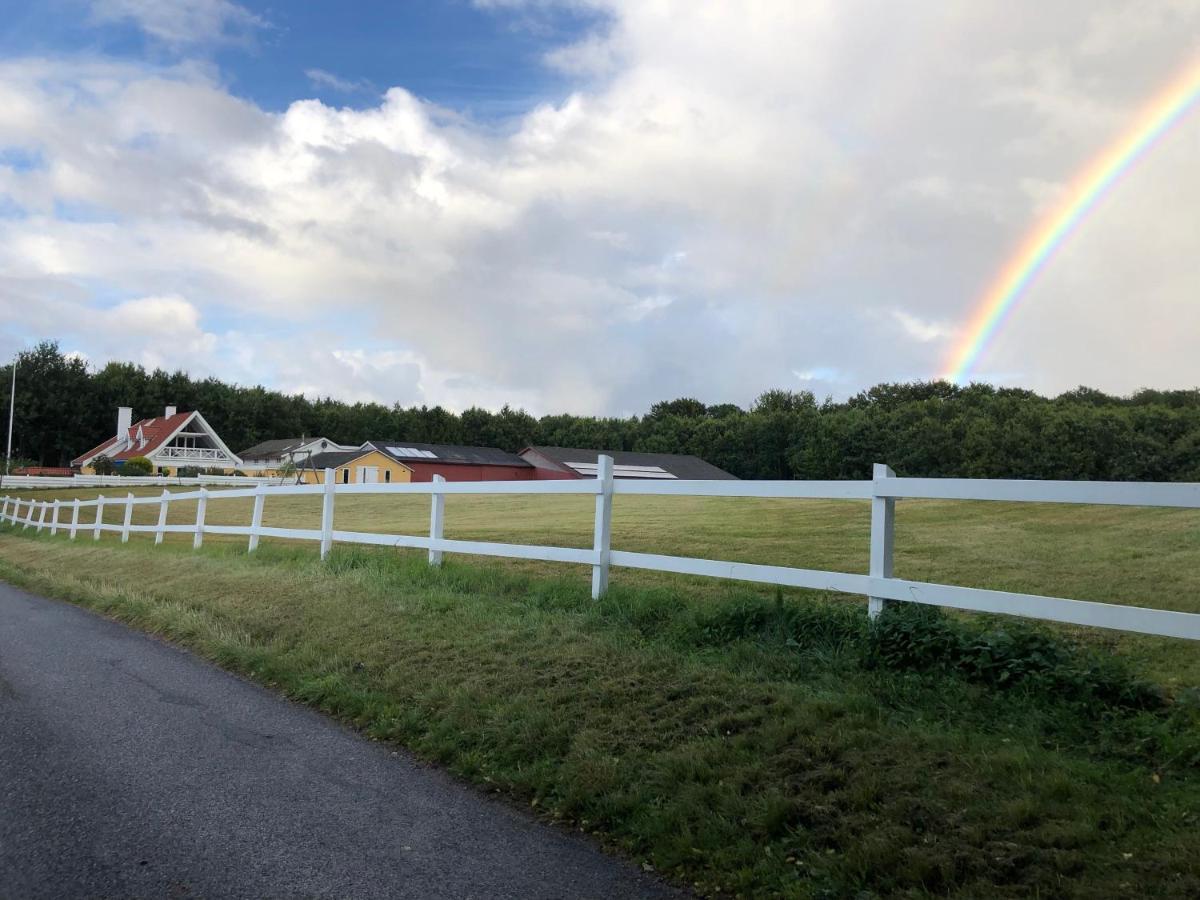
(921, 429)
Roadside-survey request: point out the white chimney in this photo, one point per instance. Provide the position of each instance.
(124, 420)
(170, 412)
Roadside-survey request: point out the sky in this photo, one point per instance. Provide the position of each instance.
(588, 206)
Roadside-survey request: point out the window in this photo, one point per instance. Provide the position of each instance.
(346, 475)
(387, 475)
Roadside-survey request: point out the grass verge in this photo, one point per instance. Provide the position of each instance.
(744, 745)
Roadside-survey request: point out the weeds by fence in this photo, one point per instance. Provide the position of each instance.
(879, 585)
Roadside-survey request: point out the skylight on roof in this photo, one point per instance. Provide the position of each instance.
(411, 452)
(622, 471)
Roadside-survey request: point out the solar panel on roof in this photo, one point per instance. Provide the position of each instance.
(411, 452)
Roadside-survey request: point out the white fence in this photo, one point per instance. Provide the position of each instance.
(65, 481)
(879, 585)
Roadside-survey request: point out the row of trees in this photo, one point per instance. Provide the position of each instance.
(924, 428)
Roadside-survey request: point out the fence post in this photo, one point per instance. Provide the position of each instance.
(128, 518)
(260, 498)
(883, 522)
(74, 519)
(327, 513)
(602, 542)
(437, 517)
(163, 502)
(201, 505)
(54, 518)
(99, 517)
(4, 510)
(42, 516)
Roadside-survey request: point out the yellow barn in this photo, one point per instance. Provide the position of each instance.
(355, 467)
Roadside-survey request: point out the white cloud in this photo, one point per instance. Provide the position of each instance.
(321, 78)
(739, 196)
(183, 23)
(920, 329)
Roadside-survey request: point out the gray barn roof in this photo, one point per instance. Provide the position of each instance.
(448, 453)
(272, 448)
(332, 459)
(680, 465)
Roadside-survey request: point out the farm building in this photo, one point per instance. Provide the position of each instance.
(265, 458)
(171, 441)
(364, 465)
(574, 462)
(389, 461)
(456, 463)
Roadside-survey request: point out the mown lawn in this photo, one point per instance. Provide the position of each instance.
(739, 742)
(1142, 557)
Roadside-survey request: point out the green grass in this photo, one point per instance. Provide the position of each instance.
(739, 742)
(1141, 557)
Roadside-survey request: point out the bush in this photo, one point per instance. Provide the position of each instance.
(102, 465)
(137, 465)
(921, 638)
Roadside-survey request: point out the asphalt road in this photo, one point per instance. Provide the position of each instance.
(129, 768)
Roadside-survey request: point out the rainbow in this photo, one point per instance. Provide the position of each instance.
(1086, 191)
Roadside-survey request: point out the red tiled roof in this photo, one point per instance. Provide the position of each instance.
(155, 431)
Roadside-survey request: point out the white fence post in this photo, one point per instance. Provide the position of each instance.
(163, 503)
(327, 513)
(74, 519)
(99, 517)
(201, 504)
(256, 516)
(883, 528)
(128, 518)
(42, 516)
(4, 510)
(54, 518)
(437, 518)
(602, 542)
(28, 520)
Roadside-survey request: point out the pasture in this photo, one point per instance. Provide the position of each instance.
(740, 741)
(1136, 556)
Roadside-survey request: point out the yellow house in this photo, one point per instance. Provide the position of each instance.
(355, 467)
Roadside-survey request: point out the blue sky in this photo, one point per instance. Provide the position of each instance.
(588, 205)
(484, 62)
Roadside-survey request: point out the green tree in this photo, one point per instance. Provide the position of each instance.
(137, 465)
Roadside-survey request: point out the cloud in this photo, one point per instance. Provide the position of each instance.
(920, 329)
(183, 23)
(692, 219)
(321, 78)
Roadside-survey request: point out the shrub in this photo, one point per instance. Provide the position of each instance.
(102, 465)
(921, 638)
(137, 465)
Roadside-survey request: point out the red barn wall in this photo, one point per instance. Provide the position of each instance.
(424, 471)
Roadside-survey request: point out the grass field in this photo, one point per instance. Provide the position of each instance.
(739, 742)
(1141, 557)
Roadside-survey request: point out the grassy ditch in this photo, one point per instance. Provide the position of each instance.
(746, 744)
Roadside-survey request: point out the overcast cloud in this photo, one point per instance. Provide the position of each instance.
(734, 197)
